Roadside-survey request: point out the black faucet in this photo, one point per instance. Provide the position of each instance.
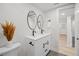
(33, 32)
(42, 31)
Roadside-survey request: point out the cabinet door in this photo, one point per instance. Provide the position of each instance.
(39, 47)
(42, 46)
(29, 47)
(46, 44)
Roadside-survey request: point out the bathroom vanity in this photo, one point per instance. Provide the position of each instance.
(38, 46)
(11, 50)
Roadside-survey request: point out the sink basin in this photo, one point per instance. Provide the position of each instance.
(38, 36)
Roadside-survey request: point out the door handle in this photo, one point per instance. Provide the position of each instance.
(77, 38)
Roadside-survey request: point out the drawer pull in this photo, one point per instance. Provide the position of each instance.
(45, 50)
(46, 43)
(31, 43)
(77, 38)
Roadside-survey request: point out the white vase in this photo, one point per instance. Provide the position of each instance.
(9, 44)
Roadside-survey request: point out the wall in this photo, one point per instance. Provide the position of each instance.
(17, 13)
(64, 12)
(69, 32)
(73, 28)
(77, 29)
(52, 27)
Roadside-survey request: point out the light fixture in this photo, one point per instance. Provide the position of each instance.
(77, 11)
(63, 14)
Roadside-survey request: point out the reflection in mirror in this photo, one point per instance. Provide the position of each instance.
(32, 21)
(40, 23)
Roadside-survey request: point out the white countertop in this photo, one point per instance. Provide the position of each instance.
(7, 49)
(38, 36)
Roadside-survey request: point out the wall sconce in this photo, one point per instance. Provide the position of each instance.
(49, 20)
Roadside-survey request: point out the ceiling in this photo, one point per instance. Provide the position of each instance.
(44, 7)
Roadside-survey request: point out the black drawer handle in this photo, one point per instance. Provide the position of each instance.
(45, 50)
(31, 43)
(77, 38)
(46, 43)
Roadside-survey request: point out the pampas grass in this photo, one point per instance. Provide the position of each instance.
(8, 30)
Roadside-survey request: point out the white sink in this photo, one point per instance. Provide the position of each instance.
(4, 50)
(37, 36)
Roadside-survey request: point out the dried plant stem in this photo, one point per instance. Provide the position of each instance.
(8, 29)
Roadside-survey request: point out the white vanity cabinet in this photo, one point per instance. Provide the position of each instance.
(37, 46)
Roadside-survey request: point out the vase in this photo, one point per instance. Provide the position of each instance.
(10, 43)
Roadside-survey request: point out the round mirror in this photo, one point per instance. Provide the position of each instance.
(40, 21)
(31, 20)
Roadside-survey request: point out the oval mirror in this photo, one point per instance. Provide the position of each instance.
(31, 20)
(40, 21)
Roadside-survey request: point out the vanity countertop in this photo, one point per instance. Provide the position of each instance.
(9, 48)
(37, 37)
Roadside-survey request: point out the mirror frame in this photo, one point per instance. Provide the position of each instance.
(28, 15)
(40, 27)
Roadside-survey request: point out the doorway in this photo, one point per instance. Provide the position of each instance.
(66, 31)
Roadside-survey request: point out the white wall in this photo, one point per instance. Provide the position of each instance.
(52, 27)
(77, 29)
(17, 13)
(69, 32)
(67, 11)
(73, 28)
